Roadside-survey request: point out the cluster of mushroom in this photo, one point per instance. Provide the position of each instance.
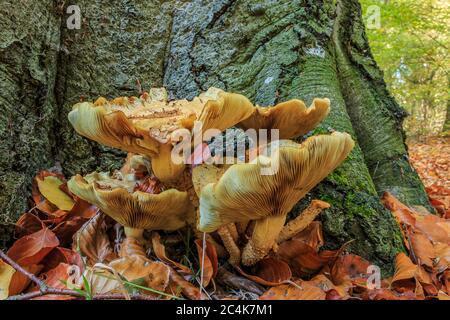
(235, 200)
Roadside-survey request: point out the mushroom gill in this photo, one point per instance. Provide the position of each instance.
(135, 210)
(145, 125)
(243, 193)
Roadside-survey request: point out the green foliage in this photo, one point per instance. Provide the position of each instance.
(411, 45)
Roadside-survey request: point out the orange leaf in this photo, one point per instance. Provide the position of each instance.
(269, 272)
(62, 255)
(350, 267)
(302, 258)
(93, 242)
(20, 282)
(312, 235)
(422, 248)
(179, 284)
(300, 290)
(57, 277)
(27, 224)
(33, 248)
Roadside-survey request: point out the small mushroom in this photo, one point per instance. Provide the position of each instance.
(145, 125)
(135, 210)
(292, 118)
(243, 193)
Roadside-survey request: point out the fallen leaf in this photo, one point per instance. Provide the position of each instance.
(312, 235)
(386, 294)
(210, 265)
(92, 241)
(179, 284)
(410, 277)
(64, 276)
(350, 267)
(302, 258)
(6, 274)
(237, 282)
(62, 255)
(268, 272)
(27, 224)
(422, 248)
(160, 252)
(155, 275)
(49, 187)
(20, 282)
(32, 248)
(299, 290)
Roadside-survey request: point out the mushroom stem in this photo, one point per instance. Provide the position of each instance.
(263, 239)
(137, 234)
(302, 220)
(233, 232)
(230, 245)
(163, 166)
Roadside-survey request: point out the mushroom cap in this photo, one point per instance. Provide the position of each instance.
(292, 118)
(138, 210)
(145, 125)
(142, 125)
(243, 193)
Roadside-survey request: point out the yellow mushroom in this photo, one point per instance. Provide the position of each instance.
(292, 118)
(243, 193)
(145, 125)
(135, 210)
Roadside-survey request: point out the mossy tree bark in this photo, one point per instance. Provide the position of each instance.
(268, 50)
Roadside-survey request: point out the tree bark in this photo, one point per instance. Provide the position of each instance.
(269, 51)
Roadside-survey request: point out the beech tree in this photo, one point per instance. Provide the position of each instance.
(269, 51)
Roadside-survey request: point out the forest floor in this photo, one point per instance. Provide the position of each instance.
(431, 159)
(67, 249)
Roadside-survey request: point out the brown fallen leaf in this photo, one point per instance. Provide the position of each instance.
(32, 248)
(352, 268)
(386, 294)
(312, 235)
(210, 265)
(268, 272)
(92, 241)
(27, 224)
(421, 248)
(160, 252)
(154, 275)
(302, 258)
(62, 255)
(237, 282)
(410, 277)
(20, 282)
(180, 285)
(298, 290)
(6, 274)
(64, 276)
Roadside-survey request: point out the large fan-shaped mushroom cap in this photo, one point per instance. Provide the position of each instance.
(133, 209)
(292, 118)
(145, 125)
(243, 193)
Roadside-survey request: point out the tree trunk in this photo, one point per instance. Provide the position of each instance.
(269, 51)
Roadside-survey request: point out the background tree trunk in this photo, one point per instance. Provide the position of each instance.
(269, 51)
